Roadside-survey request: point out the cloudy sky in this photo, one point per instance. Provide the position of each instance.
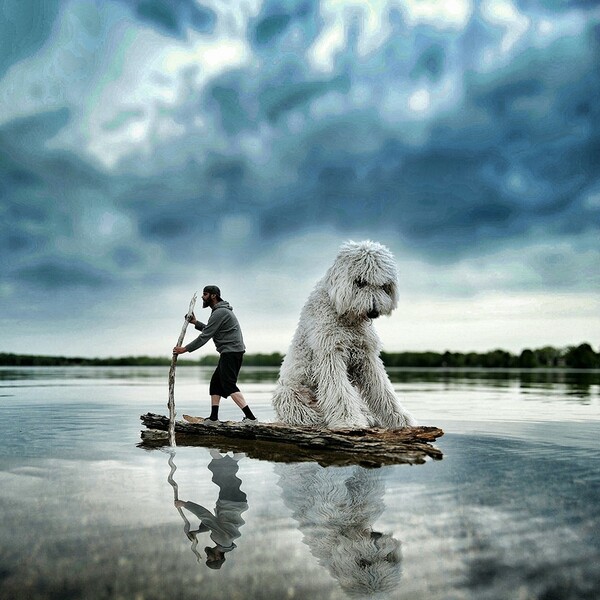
(148, 147)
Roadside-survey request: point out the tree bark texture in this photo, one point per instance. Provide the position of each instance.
(277, 442)
(171, 401)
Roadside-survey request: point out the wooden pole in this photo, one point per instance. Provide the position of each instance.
(171, 403)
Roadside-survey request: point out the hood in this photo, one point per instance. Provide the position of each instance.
(223, 304)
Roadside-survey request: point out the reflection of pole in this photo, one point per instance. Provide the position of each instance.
(186, 523)
(171, 403)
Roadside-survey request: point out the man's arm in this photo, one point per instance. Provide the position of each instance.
(214, 322)
(199, 511)
(198, 325)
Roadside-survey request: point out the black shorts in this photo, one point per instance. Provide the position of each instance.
(224, 380)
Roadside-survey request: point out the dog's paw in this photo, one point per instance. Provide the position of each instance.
(403, 420)
(396, 420)
(358, 422)
(411, 421)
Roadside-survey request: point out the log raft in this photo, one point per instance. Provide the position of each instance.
(278, 442)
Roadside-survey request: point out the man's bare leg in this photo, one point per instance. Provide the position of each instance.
(239, 399)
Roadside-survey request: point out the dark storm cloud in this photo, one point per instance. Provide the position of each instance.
(25, 162)
(276, 17)
(517, 150)
(557, 5)
(24, 27)
(173, 17)
(520, 153)
(488, 174)
(52, 275)
(40, 193)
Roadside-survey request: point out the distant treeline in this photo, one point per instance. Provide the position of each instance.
(27, 360)
(574, 357)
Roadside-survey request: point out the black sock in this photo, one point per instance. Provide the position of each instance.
(248, 412)
(214, 412)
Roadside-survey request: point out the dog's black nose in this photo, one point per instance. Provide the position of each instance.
(373, 313)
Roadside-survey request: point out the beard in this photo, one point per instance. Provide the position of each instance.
(205, 303)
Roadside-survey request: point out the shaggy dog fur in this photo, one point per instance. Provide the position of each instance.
(332, 375)
(336, 510)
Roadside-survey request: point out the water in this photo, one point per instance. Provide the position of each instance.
(511, 511)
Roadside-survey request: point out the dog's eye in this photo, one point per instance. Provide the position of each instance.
(387, 288)
(361, 283)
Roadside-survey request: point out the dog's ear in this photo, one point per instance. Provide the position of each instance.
(339, 289)
(391, 289)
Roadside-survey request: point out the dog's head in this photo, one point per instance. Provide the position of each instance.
(363, 281)
(366, 563)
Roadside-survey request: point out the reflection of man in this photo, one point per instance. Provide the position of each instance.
(224, 525)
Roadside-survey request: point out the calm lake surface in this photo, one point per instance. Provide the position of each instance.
(512, 510)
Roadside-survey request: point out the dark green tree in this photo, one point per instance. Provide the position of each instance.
(581, 357)
(547, 356)
(527, 359)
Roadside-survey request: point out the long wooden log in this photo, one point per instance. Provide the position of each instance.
(171, 401)
(278, 442)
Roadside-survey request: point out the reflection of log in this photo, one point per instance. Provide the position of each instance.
(283, 443)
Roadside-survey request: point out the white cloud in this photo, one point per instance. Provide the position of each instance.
(503, 13)
(372, 18)
(210, 55)
(332, 39)
(453, 14)
(419, 100)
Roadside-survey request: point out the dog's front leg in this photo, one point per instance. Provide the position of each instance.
(338, 400)
(380, 397)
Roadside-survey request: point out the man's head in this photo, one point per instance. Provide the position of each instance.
(214, 557)
(211, 294)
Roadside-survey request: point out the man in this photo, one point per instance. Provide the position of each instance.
(224, 329)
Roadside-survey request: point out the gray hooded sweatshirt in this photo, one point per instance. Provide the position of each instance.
(223, 328)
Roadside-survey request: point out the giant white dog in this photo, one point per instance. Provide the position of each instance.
(332, 375)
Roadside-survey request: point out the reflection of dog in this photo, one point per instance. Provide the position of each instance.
(335, 509)
(332, 374)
